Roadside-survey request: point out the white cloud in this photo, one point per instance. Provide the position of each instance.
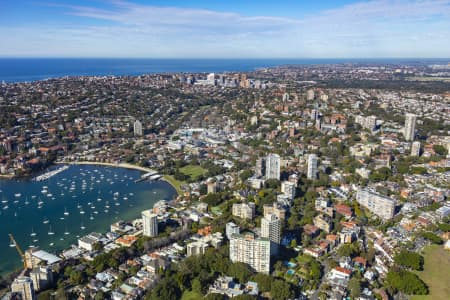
(365, 29)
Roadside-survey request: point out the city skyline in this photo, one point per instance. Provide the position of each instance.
(244, 29)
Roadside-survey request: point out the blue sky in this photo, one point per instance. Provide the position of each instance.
(228, 29)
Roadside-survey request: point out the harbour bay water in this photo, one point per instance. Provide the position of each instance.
(52, 214)
(31, 69)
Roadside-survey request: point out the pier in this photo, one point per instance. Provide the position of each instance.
(50, 174)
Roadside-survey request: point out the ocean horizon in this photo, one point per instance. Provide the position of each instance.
(34, 69)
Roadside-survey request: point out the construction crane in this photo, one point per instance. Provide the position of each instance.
(19, 250)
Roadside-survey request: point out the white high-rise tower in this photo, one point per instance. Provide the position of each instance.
(273, 166)
(137, 126)
(312, 166)
(410, 127)
(149, 223)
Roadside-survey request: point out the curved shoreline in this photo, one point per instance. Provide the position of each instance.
(118, 165)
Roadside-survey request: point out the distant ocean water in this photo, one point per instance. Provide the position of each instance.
(31, 69)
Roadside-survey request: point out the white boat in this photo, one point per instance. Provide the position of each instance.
(32, 233)
(17, 195)
(51, 244)
(82, 212)
(33, 197)
(46, 221)
(50, 232)
(66, 213)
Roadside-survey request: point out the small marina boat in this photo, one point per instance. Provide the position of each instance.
(46, 221)
(17, 195)
(50, 232)
(32, 232)
(66, 213)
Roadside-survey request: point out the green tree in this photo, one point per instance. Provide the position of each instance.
(406, 282)
(264, 282)
(348, 250)
(281, 290)
(197, 286)
(166, 289)
(245, 175)
(439, 149)
(409, 259)
(240, 271)
(355, 287)
(433, 238)
(100, 296)
(272, 183)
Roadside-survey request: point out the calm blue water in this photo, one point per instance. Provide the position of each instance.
(80, 188)
(31, 69)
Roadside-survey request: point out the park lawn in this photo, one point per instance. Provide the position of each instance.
(175, 183)
(191, 295)
(192, 171)
(435, 273)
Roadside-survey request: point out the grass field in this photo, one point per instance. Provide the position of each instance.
(192, 171)
(175, 183)
(436, 273)
(191, 295)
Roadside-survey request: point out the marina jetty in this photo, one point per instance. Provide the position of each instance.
(50, 174)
